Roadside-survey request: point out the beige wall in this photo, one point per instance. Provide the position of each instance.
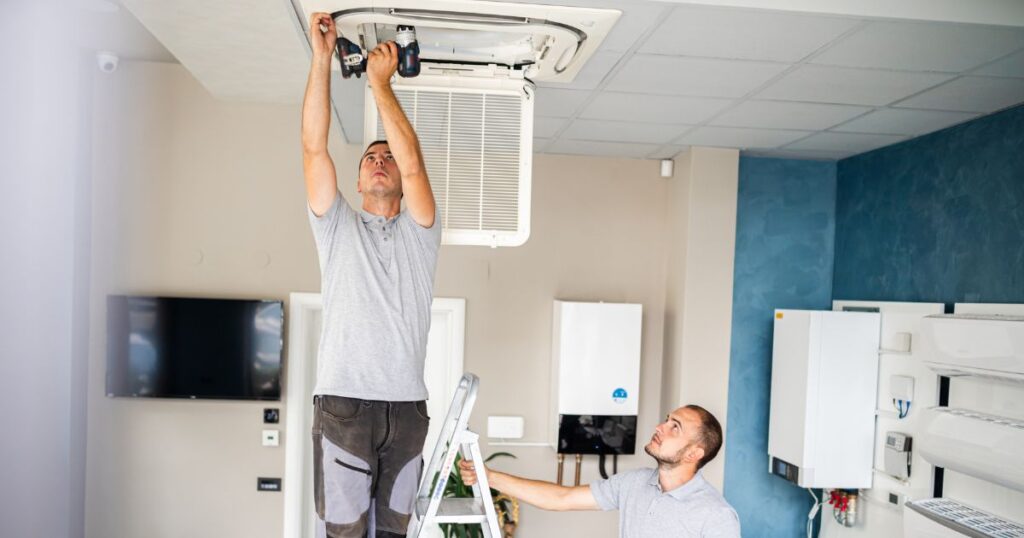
(190, 197)
(698, 314)
(193, 196)
(597, 235)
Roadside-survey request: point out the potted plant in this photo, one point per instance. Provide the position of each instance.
(506, 507)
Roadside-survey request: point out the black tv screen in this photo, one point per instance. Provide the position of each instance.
(169, 347)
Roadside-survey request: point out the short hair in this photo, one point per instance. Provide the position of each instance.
(710, 434)
(374, 143)
(370, 145)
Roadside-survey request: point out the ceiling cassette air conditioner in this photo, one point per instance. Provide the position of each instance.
(472, 103)
(546, 43)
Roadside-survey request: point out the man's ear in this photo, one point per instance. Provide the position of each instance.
(694, 453)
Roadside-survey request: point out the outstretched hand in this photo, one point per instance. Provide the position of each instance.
(468, 472)
(322, 35)
(382, 64)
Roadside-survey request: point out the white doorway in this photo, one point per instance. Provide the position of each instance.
(442, 370)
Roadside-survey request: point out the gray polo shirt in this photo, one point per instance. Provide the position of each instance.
(695, 509)
(377, 279)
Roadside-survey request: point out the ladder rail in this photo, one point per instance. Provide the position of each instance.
(455, 438)
(482, 489)
(455, 420)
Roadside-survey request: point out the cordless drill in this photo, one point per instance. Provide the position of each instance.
(408, 52)
(353, 59)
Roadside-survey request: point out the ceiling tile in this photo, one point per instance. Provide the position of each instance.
(544, 127)
(670, 151)
(922, 46)
(744, 34)
(559, 103)
(601, 149)
(256, 58)
(539, 144)
(653, 108)
(624, 131)
(634, 23)
(843, 85)
(970, 94)
(645, 73)
(904, 121)
(592, 74)
(1011, 66)
(787, 115)
(855, 143)
(733, 137)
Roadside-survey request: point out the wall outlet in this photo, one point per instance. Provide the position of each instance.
(505, 427)
(896, 498)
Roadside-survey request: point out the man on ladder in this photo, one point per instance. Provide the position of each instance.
(377, 267)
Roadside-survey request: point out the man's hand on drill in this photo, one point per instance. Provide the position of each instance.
(382, 64)
(321, 40)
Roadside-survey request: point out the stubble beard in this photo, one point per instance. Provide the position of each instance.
(664, 462)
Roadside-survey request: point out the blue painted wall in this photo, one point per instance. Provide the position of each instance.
(938, 218)
(785, 229)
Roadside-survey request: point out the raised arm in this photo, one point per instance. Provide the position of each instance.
(317, 166)
(402, 141)
(545, 495)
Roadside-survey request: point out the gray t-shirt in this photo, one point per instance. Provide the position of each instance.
(694, 509)
(377, 279)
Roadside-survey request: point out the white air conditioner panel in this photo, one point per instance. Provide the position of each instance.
(478, 149)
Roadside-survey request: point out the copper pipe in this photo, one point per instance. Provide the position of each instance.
(579, 463)
(561, 467)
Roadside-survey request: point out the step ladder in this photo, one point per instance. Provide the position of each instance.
(431, 506)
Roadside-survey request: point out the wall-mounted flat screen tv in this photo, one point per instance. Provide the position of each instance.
(173, 347)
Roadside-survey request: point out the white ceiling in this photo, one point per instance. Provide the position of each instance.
(102, 25)
(782, 82)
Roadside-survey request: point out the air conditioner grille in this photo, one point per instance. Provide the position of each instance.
(471, 144)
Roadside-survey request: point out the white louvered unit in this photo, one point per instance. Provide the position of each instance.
(477, 144)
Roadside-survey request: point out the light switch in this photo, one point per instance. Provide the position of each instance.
(271, 438)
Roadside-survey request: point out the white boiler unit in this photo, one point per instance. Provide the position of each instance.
(821, 427)
(595, 377)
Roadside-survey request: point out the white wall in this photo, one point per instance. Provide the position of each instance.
(41, 453)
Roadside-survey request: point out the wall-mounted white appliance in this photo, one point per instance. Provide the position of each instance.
(989, 346)
(595, 377)
(472, 103)
(824, 385)
(977, 444)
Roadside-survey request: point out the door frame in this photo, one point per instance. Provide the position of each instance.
(297, 487)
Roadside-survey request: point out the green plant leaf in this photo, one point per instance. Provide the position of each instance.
(499, 454)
